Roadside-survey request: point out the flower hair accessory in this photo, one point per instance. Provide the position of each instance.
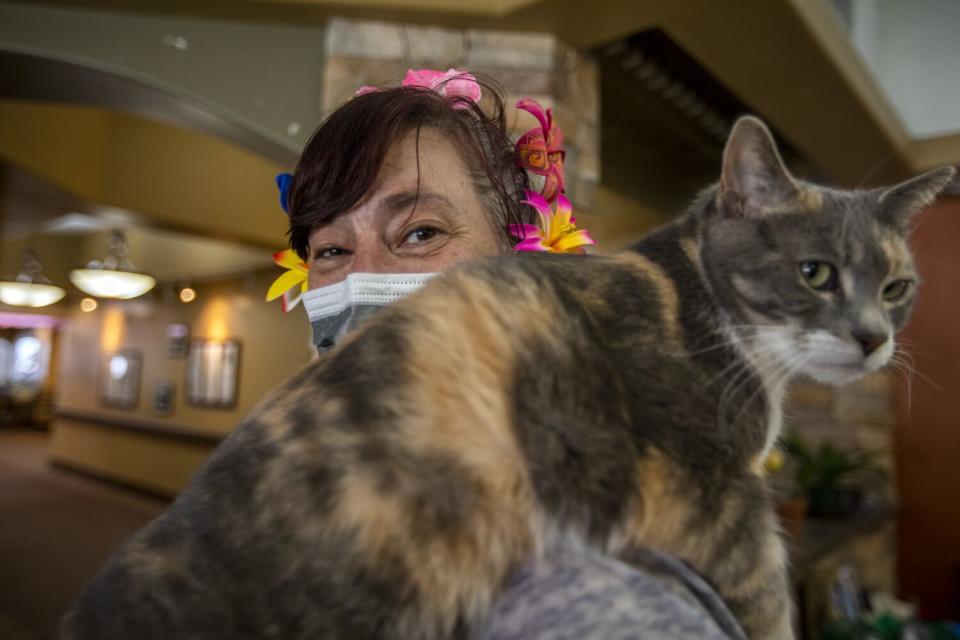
(286, 285)
(451, 83)
(283, 185)
(557, 232)
(540, 150)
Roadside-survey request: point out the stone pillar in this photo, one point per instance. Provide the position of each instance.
(526, 65)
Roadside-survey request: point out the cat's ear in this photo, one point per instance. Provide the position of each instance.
(898, 203)
(754, 179)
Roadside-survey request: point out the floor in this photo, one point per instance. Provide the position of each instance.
(56, 529)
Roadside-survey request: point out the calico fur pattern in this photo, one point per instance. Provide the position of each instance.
(388, 490)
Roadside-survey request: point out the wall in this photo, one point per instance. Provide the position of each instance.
(928, 428)
(273, 346)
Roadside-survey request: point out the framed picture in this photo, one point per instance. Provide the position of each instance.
(178, 340)
(213, 373)
(120, 379)
(163, 395)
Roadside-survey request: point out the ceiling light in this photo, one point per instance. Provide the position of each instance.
(115, 277)
(187, 294)
(88, 304)
(30, 288)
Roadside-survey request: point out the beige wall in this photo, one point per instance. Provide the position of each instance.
(162, 466)
(64, 144)
(170, 177)
(274, 345)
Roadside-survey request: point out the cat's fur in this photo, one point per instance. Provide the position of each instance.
(388, 490)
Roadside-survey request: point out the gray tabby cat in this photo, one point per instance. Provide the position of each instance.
(389, 490)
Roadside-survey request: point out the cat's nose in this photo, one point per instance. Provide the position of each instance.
(869, 342)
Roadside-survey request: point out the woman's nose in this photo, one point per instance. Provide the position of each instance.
(373, 258)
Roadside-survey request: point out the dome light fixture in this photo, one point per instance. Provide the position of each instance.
(115, 277)
(188, 294)
(30, 288)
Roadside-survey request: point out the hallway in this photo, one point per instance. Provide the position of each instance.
(56, 529)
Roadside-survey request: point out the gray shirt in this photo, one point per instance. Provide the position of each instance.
(580, 594)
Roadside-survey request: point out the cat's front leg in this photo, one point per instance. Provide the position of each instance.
(752, 579)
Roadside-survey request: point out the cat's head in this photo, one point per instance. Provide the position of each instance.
(812, 280)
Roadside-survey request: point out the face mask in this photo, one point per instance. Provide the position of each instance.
(339, 308)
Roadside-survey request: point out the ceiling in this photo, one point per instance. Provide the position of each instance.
(67, 233)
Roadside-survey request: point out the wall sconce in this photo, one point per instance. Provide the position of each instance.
(115, 277)
(30, 288)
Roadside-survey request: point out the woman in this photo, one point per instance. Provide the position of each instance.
(408, 181)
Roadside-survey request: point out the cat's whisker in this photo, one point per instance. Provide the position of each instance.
(738, 362)
(907, 361)
(898, 366)
(780, 375)
(873, 170)
(765, 363)
(724, 339)
(696, 352)
(763, 356)
(908, 345)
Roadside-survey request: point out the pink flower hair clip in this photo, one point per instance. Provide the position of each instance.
(451, 83)
(557, 232)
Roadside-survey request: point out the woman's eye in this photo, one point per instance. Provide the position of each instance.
(329, 252)
(820, 276)
(896, 290)
(421, 234)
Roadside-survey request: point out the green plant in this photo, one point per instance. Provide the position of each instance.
(827, 467)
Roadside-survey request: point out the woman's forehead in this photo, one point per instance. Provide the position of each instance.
(426, 154)
(425, 171)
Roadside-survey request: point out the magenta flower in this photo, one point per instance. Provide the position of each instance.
(540, 149)
(557, 232)
(449, 84)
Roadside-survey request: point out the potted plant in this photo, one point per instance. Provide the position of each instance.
(827, 476)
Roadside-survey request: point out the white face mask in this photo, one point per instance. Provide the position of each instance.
(337, 309)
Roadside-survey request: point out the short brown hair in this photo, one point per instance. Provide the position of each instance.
(345, 153)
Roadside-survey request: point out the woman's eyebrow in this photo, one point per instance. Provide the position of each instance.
(406, 200)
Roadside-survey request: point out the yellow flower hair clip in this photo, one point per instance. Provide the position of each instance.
(285, 285)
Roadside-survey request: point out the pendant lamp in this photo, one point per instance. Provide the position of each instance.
(115, 277)
(30, 288)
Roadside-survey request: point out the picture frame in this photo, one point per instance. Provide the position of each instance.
(119, 378)
(164, 394)
(213, 373)
(178, 340)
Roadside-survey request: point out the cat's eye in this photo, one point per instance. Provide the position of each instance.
(820, 276)
(896, 290)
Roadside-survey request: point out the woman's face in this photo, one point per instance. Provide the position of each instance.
(386, 233)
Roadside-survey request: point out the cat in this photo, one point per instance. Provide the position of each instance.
(389, 489)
